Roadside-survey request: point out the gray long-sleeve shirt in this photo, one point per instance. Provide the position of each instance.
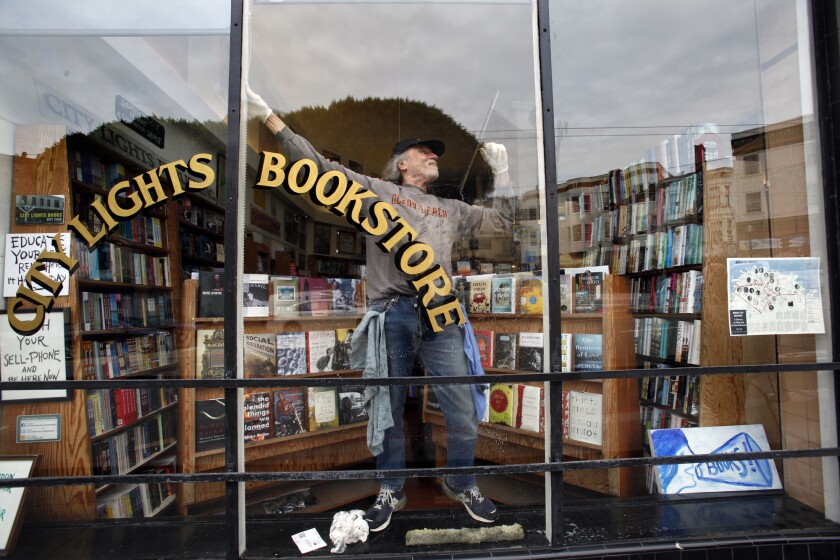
(439, 222)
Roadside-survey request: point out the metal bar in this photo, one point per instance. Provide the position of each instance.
(551, 272)
(232, 346)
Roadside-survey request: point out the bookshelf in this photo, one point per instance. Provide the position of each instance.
(324, 449)
(201, 225)
(621, 438)
(120, 303)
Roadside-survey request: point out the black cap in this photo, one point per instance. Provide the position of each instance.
(436, 146)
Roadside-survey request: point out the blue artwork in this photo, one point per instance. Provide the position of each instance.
(718, 476)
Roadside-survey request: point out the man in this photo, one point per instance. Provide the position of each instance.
(438, 222)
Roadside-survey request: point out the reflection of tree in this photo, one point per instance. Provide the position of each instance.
(365, 131)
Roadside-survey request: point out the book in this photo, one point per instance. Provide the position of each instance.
(343, 348)
(259, 355)
(255, 295)
(351, 404)
(566, 352)
(289, 411)
(587, 290)
(315, 296)
(565, 293)
(531, 410)
(484, 340)
(461, 289)
(502, 404)
(342, 296)
(530, 295)
(504, 350)
(291, 353)
(320, 348)
(210, 354)
(530, 352)
(284, 296)
(588, 352)
(480, 295)
(503, 294)
(322, 407)
(585, 417)
(257, 410)
(211, 298)
(209, 424)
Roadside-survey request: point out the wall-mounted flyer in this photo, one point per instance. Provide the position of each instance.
(774, 296)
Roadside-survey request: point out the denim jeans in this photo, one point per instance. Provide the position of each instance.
(407, 335)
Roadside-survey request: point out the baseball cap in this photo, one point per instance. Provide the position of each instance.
(436, 146)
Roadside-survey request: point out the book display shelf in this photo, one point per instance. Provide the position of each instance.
(601, 418)
(666, 236)
(121, 303)
(294, 429)
(201, 225)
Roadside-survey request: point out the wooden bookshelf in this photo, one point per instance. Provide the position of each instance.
(621, 437)
(332, 448)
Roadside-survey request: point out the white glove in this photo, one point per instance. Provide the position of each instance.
(256, 105)
(496, 156)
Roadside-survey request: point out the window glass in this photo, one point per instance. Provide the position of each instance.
(692, 232)
(395, 100)
(113, 136)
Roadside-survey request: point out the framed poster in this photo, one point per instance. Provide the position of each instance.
(346, 242)
(321, 243)
(11, 498)
(42, 356)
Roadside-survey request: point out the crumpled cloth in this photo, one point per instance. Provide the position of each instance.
(348, 527)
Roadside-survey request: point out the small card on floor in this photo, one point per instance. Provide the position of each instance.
(308, 540)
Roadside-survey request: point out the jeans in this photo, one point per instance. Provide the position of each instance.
(408, 335)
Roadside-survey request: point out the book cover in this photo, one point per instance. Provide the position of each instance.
(530, 295)
(322, 407)
(209, 424)
(257, 410)
(284, 296)
(566, 352)
(564, 404)
(531, 411)
(588, 352)
(531, 347)
(587, 288)
(320, 347)
(484, 341)
(259, 355)
(351, 404)
(480, 295)
(291, 353)
(461, 289)
(585, 418)
(343, 348)
(343, 296)
(289, 411)
(463, 268)
(565, 293)
(320, 296)
(503, 294)
(211, 297)
(210, 354)
(504, 350)
(255, 295)
(502, 404)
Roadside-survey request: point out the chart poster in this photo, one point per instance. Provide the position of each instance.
(11, 498)
(774, 296)
(40, 357)
(22, 249)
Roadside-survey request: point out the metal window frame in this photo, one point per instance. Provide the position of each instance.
(828, 97)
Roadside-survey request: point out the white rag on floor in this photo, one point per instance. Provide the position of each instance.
(348, 527)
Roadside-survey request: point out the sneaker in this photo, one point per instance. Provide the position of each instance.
(479, 507)
(387, 502)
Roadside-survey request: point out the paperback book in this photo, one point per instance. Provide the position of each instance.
(343, 347)
(211, 298)
(255, 295)
(587, 288)
(322, 407)
(531, 412)
(210, 354)
(320, 347)
(480, 288)
(284, 296)
(502, 404)
(484, 341)
(259, 355)
(588, 352)
(209, 424)
(289, 411)
(529, 292)
(531, 347)
(504, 350)
(503, 293)
(351, 404)
(291, 353)
(257, 416)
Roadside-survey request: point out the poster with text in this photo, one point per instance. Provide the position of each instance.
(40, 357)
(22, 250)
(774, 296)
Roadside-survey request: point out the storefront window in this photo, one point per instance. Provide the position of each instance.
(692, 234)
